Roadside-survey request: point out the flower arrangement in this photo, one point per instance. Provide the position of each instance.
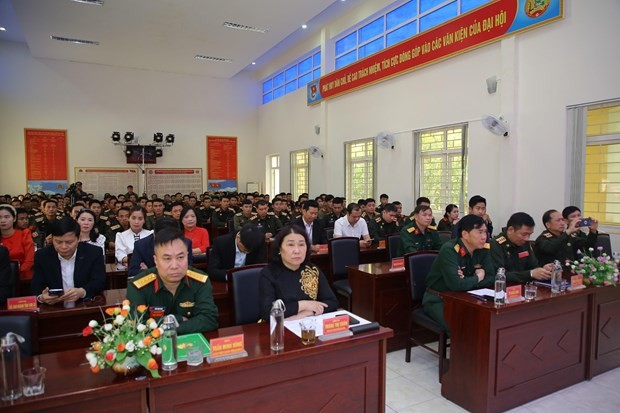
(601, 270)
(124, 335)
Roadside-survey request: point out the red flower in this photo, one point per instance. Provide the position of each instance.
(109, 355)
(87, 331)
(121, 347)
(95, 369)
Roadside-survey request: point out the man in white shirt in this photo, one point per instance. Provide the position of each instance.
(352, 226)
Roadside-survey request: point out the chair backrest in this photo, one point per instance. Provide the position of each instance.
(329, 233)
(24, 324)
(230, 224)
(342, 252)
(393, 245)
(243, 285)
(603, 240)
(444, 235)
(14, 278)
(418, 265)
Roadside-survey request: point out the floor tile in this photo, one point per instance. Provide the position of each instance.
(401, 393)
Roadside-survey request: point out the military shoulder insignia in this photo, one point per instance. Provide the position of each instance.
(115, 227)
(252, 218)
(487, 246)
(197, 276)
(501, 239)
(145, 280)
(432, 227)
(377, 220)
(410, 229)
(271, 213)
(187, 304)
(457, 248)
(103, 218)
(217, 209)
(238, 214)
(547, 234)
(39, 219)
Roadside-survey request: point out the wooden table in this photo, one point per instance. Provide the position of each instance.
(382, 295)
(345, 375)
(367, 255)
(503, 357)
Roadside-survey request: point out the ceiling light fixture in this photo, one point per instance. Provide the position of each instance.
(304, 26)
(128, 137)
(170, 138)
(238, 26)
(75, 41)
(212, 58)
(253, 63)
(158, 137)
(93, 2)
(2, 29)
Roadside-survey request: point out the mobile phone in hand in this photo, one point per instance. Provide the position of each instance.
(57, 292)
(584, 222)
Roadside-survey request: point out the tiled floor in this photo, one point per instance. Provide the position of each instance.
(413, 387)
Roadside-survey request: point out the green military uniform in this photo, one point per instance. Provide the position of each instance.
(102, 224)
(550, 247)
(369, 217)
(284, 217)
(412, 239)
(110, 213)
(518, 261)
(323, 213)
(151, 220)
(220, 217)
(379, 229)
(204, 215)
(411, 217)
(330, 219)
(114, 228)
(444, 275)
(268, 224)
(240, 220)
(445, 225)
(193, 299)
(42, 228)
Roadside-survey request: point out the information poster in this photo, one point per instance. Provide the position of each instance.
(46, 160)
(99, 181)
(222, 163)
(170, 181)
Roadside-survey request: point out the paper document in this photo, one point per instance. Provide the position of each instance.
(293, 325)
(482, 292)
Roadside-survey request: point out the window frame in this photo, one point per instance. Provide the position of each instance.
(295, 191)
(273, 174)
(348, 188)
(286, 87)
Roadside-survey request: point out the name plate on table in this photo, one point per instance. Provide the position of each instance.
(28, 303)
(227, 348)
(381, 244)
(576, 282)
(335, 327)
(323, 248)
(513, 294)
(398, 264)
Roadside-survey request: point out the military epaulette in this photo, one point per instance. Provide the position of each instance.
(103, 218)
(150, 214)
(115, 227)
(457, 247)
(38, 214)
(218, 209)
(432, 227)
(238, 214)
(364, 214)
(39, 219)
(487, 246)
(547, 235)
(271, 213)
(147, 279)
(501, 239)
(377, 220)
(197, 276)
(410, 229)
(253, 217)
(168, 213)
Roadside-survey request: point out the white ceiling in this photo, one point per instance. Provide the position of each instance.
(165, 35)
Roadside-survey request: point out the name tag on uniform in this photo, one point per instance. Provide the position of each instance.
(157, 312)
(524, 254)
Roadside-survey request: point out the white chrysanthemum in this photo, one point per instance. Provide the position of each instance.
(153, 325)
(141, 344)
(159, 351)
(141, 327)
(107, 339)
(130, 346)
(93, 324)
(108, 327)
(92, 359)
(119, 319)
(126, 307)
(154, 350)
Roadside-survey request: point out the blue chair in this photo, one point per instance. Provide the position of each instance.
(342, 252)
(393, 245)
(243, 285)
(603, 240)
(418, 265)
(444, 235)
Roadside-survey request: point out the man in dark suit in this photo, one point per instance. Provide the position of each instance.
(76, 268)
(236, 249)
(144, 249)
(313, 226)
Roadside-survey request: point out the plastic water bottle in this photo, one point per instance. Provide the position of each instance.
(276, 325)
(500, 287)
(556, 277)
(169, 343)
(10, 380)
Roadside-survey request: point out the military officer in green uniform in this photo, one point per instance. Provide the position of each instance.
(222, 214)
(172, 287)
(337, 212)
(420, 201)
(280, 211)
(265, 220)
(512, 251)
(118, 224)
(561, 242)
(463, 264)
(243, 217)
(369, 213)
(419, 235)
(384, 225)
(42, 221)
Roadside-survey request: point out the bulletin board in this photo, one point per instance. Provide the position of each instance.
(99, 181)
(163, 181)
(46, 160)
(222, 163)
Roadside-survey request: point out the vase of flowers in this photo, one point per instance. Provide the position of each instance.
(125, 341)
(597, 271)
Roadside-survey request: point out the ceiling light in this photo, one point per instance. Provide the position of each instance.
(158, 137)
(128, 137)
(76, 41)
(170, 138)
(304, 26)
(2, 29)
(238, 26)
(253, 63)
(116, 136)
(212, 58)
(93, 2)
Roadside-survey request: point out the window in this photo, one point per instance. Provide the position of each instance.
(602, 164)
(273, 171)
(292, 77)
(397, 24)
(360, 169)
(300, 169)
(442, 165)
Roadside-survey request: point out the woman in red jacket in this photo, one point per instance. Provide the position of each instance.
(17, 241)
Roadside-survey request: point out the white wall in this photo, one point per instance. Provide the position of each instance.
(541, 72)
(92, 101)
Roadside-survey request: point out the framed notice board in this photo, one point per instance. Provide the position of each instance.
(163, 181)
(222, 163)
(102, 180)
(46, 160)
